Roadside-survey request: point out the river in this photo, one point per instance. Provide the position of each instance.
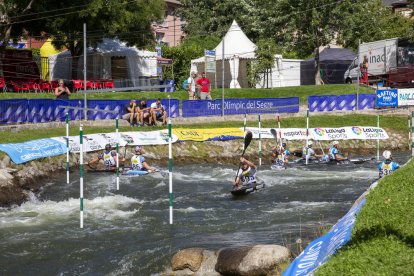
(128, 231)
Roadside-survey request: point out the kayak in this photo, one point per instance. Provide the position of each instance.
(277, 167)
(247, 189)
(135, 172)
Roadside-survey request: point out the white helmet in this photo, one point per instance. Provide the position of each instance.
(335, 143)
(386, 154)
(310, 143)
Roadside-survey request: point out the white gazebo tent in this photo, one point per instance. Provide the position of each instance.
(238, 49)
(109, 56)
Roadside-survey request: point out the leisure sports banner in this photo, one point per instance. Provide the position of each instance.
(325, 134)
(27, 151)
(216, 134)
(320, 250)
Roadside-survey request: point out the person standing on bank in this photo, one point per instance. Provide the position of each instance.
(205, 86)
(191, 86)
(62, 91)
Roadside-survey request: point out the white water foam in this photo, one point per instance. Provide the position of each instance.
(36, 212)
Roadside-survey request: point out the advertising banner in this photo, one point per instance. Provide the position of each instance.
(320, 250)
(386, 98)
(94, 142)
(27, 151)
(405, 97)
(340, 102)
(240, 106)
(217, 134)
(13, 111)
(325, 134)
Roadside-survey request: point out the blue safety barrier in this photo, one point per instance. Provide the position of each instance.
(194, 108)
(13, 111)
(74, 114)
(40, 110)
(341, 102)
(106, 105)
(320, 250)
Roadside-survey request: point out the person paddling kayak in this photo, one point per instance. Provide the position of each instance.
(334, 154)
(310, 152)
(246, 174)
(138, 162)
(387, 166)
(108, 158)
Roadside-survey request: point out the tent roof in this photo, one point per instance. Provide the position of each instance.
(236, 43)
(339, 54)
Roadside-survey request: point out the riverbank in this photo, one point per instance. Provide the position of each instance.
(383, 237)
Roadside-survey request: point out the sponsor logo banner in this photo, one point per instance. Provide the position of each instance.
(343, 133)
(405, 97)
(386, 98)
(320, 250)
(27, 151)
(94, 142)
(216, 134)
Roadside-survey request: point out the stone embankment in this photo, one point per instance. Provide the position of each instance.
(16, 181)
(265, 259)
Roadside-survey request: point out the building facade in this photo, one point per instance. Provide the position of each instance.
(169, 32)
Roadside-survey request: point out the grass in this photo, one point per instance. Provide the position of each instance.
(383, 237)
(298, 91)
(390, 123)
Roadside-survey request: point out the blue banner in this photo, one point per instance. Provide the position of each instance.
(13, 111)
(118, 106)
(341, 102)
(240, 106)
(386, 98)
(74, 114)
(320, 250)
(40, 110)
(27, 151)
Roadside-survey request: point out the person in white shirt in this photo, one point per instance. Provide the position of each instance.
(309, 153)
(191, 86)
(158, 112)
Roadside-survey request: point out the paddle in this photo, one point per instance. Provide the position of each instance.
(247, 139)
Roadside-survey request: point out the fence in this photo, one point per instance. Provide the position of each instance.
(48, 110)
(341, 102)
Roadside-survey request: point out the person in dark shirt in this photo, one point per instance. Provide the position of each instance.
(131, 113)
(144, 112)
(62, 91)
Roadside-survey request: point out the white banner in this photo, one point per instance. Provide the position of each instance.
(405, 97)
(342, 133)
(94, 142)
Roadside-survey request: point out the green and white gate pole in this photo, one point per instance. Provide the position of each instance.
(307, 135)
(412, 133)
(170, 168)
(378, 141)
(260, 143)
(280, 131)
(245, 122)
(409, 132)
(117, 154)
(81, 174)
(67, 148)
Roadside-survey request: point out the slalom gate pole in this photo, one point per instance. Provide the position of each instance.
(409, 132)
(378, 141)
(412, 133)
(245, 122)
(260, 143)
(170, 168)
(280, 131)
(81, 174)
(307, 135)
(67, 148)
(117, 154)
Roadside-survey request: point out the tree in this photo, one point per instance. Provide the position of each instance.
(265, 59)
(128, 20)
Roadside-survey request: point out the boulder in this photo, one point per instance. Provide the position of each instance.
(190, 258)
(206, 267)
(256, 260)
(5, 162)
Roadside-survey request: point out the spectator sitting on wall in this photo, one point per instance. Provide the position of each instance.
(131, 113)
(62, 91)
(205, 87)
(144, 113)
(158, 112)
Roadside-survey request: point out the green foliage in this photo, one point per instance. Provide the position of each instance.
(265, 59)
(191, 48)
(383, 236)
